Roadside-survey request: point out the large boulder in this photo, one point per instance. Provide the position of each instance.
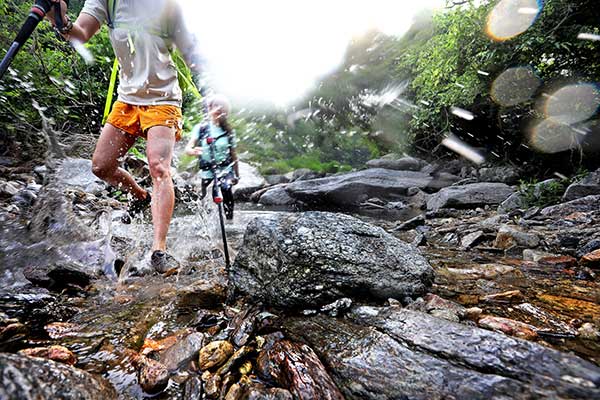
(393, 353)
(352, 189)
(469, 196)
(277, 196)
(250, 181)
(310, 259)
(590, 185)
(26, 378)
(401, 164)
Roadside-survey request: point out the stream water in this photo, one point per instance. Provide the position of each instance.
(116, 316)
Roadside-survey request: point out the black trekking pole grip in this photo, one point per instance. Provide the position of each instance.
(36, 15)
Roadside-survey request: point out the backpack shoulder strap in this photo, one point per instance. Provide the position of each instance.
(111, 7)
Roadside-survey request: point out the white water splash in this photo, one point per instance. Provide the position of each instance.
(460, 147)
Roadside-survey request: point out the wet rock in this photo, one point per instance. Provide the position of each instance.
(182, 352)
(473, 313)
(510, 237)
(509, 327)
(12, 333)
(276, 179)
(506, 174)
(511, 296)
(255, 393)
(251, 181)
(401, 164)
(296, 367)
(310, 259)
(589, 332)
(212, 383)
(276, 197)
(201, 294)
(303, 174)
(59, 276)
(243, 326)
(153, 376)
(584, 204)
(590, 246)
(36, 306)
(470, 196)
(471, 239)
(535, 255)
(214, 354)
(51, 380)
(478, 271)
(354, 188)
(412, 223)
(515, 201)
(590, 185)
(337, 307)
(439, 359)
(591, 259)
(192, 389)
(9, 189)
(55, 353)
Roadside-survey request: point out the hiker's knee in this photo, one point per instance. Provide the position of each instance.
(159, 169)
(103, 169)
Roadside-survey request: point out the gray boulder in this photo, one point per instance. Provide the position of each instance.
(590, 185)
(508, 175)
(276, 179)
(584, 204)
(470, 196)
(303, 174)
(277, 196)
(26, 378)
(439, 359)
(352, 189)
(311, 259)
(401, 164)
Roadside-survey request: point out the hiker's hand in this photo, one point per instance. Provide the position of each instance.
(235, 180)
(195, 151)
(63, 9)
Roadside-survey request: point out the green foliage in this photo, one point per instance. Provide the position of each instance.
(48, 76)
(542, 194)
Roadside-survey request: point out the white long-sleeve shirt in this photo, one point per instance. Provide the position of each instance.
(144, 32)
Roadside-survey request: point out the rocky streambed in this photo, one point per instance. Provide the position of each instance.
(463, 301)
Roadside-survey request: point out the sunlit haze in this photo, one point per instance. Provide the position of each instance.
(274, 51)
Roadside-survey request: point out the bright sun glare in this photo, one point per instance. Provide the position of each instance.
(274, 51)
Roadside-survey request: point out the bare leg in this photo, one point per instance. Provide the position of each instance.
(159, 150)
(112, 145)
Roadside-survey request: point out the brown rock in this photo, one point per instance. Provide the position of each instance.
(591, 259)
(212, 383)
(509, 327)
(202, 294)
(153, 377)
(235, 392)
(55, 353)
(504, 297)
(215, 354)
(473, 313)
(564, 262)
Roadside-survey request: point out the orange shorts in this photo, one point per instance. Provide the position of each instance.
(136, 120)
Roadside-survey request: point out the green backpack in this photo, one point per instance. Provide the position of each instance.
(184, 75)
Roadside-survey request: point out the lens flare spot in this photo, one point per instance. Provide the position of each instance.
(515, 86)
(551, 136)
(573, 103)
(510, 18)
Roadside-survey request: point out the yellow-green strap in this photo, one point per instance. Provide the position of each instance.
(111, 89)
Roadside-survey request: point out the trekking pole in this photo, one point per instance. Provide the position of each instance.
(36, 14)
(217, 198)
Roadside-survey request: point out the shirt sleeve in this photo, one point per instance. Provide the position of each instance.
(97, 9)
(185, 41)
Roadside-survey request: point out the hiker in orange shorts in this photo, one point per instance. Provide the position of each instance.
(149, 102)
